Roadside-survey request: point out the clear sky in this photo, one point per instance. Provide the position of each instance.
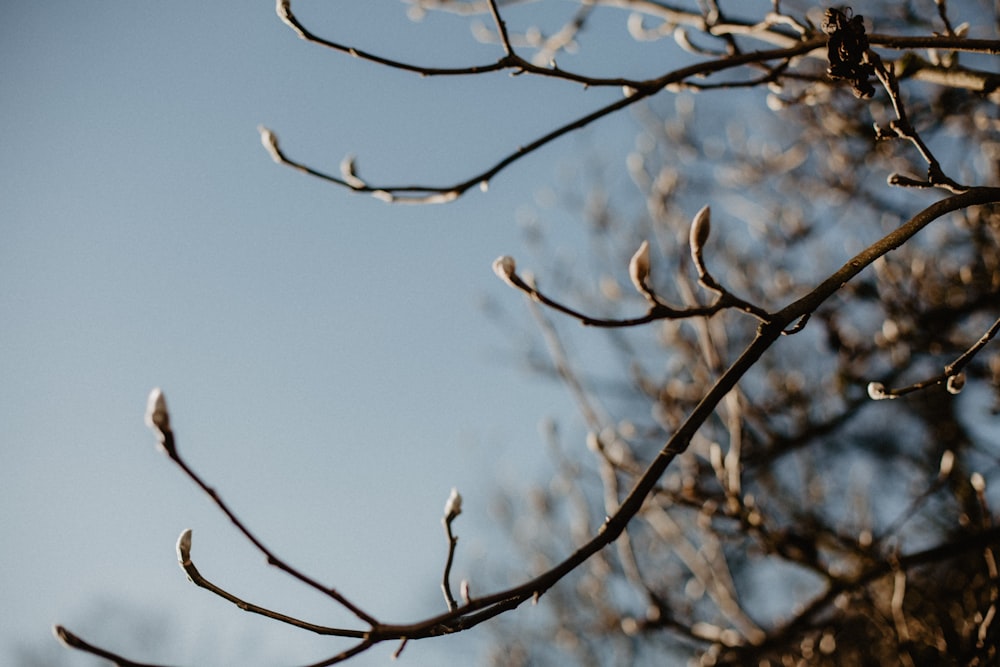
(326, 358)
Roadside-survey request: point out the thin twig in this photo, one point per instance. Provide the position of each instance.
(446, 577)
(272, 559)
(481, 609)
(197, 579)
(950, 371)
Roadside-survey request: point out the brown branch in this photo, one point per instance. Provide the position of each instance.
(474, 612)
(635, 91)
(904, 130)
(184, 558)
(948, 42)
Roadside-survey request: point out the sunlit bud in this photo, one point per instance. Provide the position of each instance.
(270, 143)
(628, 91)
(284, 7)
(348, 171)
(978, 482)
(463, 590)
(504, 267)
(775, 103)
(184, 548)
(157, 417)
(876, 391)
(453, 507)
(484, 186)
(701, 227)
(638, 268)
(947, 462)
(955, 383)
(65, 637)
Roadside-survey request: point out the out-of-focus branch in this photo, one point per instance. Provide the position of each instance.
(952, 376)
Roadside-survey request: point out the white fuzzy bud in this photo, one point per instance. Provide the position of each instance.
(947, 463)
(184, 548)
(270, 143)
(701, 227)
(453, 507)
(955, 383)
(978, 482)
(876, 391)
(157, 417)
(348, 171)
(638, 268)
(504, 267)
(463, 589)
(284, 9)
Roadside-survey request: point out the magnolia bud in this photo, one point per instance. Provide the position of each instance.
(876, 391)
(184, 548)
(701, 226)
(453, 507)
(348, 171)
(978, 482)
(638, 268)
(504, 267)
(270, 143)
(947, 463)
(157, 417)
(955, 383)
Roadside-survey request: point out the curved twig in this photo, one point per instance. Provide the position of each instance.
(475, 611)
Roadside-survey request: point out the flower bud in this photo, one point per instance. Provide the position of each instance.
(638, 268)
(701, 227)
(157, 417)
(978, 482)
(877, 392)
(348, 171)
(955, 383)
(270, 143)
(504, 267)
(184, 548)
(453, 507)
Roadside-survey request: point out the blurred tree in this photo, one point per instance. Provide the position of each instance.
(741, 491)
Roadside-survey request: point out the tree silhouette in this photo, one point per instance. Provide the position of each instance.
(747, 492)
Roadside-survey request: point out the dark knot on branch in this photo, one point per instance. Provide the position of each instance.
(847, 50)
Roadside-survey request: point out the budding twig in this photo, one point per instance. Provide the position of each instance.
(451, 510)
(952, 375)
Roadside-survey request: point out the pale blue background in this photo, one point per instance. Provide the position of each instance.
(326, 358)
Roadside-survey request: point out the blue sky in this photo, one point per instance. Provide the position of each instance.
(325, 357)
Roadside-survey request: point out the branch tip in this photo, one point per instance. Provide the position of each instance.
(453, 507)
(157, 417)
(877, 392)
(701, 227)
(184, 548)
(270, 142)
(505, 267)
(638, 269)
